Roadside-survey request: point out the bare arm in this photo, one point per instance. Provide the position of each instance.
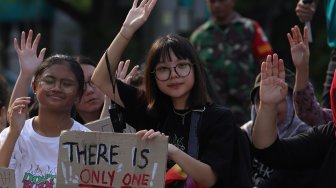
(300, 55)
(199, 171)
(17, 117)
(136, 17)
(29, 61)
(124, 77)
(273, 90)
(305, 102)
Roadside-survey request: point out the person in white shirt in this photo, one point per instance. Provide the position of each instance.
(31, 146)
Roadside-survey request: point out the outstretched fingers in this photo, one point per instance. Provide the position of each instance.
(150, 5)
(281, 67)
(275, 65)
(272, 67)
(23, 40)
(29, 39)
(290, 40)
(143, 3)
(305, 35)
(124, 69)
(36, 41)
(135, 4)
(41, 55)
(268, 66)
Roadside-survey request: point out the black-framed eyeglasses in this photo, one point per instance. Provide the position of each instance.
(163, 73)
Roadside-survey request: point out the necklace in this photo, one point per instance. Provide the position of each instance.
(181, 115)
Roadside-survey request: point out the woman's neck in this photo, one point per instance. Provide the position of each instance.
(180, 106)
(52, 124)
(180, 103)
(89, 116)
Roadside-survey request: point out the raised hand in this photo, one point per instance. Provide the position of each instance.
(3, 118)
(304, 11)
(299, 46)
(27, 53)
(136, 17)
(122, 71)
(273, 88)
(17, 114)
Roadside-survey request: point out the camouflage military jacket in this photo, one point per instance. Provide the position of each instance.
(231, 58)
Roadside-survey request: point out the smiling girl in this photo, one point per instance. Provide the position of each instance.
(31, 146)
(205, 143)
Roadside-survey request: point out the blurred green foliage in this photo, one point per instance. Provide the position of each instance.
(80, 5)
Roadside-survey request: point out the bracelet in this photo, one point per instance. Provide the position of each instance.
(123, 36)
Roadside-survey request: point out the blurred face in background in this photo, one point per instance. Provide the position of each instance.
(92, 99)
(221, 10)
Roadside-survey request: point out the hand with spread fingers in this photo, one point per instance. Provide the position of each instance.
(273, 88)
(136, 17)
(29, 62)
(299, 46)
(305, 11)
(121, 73)
(27, 52)
(17, 114)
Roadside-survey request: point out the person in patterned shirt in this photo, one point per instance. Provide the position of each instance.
(232, 48)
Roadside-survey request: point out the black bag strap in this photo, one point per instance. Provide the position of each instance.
(115, 114)
(193, 145)
(109, 71)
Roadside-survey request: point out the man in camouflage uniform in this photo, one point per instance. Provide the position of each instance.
(232, 48)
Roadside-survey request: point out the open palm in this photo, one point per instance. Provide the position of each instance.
(299, 46)
(273, 88)
(138, 15)
(27, 53)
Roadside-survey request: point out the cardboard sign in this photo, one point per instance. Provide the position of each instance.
(97, 159)
(105, 125)
(7, 178)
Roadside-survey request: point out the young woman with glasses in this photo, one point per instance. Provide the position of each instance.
(30, 146)
(90, 106)
(204, 141)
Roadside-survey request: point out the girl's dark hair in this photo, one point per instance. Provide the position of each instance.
(182, 49)
(58, 59)
(82, 60)
(63, 60)
(3, 92)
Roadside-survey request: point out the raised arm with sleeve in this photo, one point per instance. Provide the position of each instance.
(273, 90)
(136, 17)
(305, 102)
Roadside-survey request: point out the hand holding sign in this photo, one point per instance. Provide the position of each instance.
(7, 178)
(111, 160)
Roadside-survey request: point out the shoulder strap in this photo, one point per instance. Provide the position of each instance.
(115, 115)
(109, 71)
(193, 145)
